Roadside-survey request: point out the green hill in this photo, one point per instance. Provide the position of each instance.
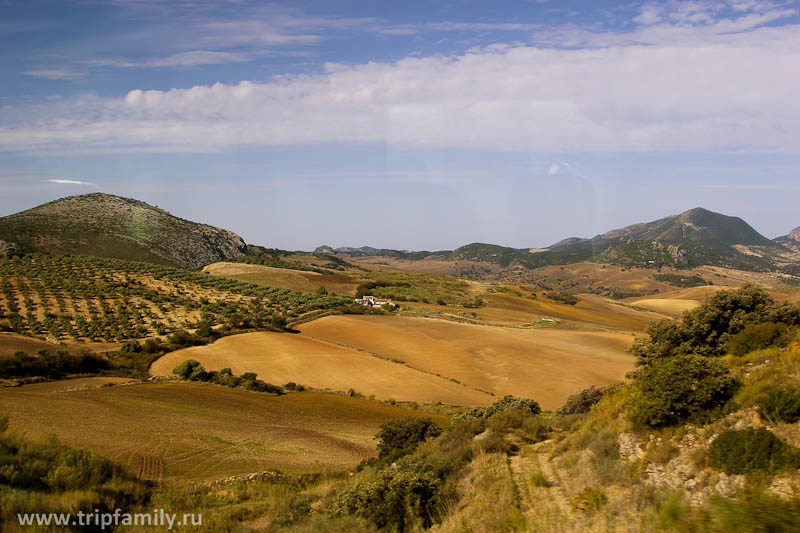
(112, 226)
(686, 240)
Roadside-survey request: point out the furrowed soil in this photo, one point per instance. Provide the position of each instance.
(193, 431)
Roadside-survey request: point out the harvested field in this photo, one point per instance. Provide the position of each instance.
(595, 311)
(11, 342)
(280, 358)
(545, 364)
(201, 432)
(667, 306)
(284, 278)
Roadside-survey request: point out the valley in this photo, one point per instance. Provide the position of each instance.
(288, 384)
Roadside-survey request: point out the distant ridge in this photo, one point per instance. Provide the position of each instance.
(692, 238)
(790, 241)
(696, 225)
(106, 225)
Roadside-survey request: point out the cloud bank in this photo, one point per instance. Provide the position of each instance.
(692, 83)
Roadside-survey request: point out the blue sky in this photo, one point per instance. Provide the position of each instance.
(416, 125)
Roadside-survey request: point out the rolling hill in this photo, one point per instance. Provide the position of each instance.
(112, 226)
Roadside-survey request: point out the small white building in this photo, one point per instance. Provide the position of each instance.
(371, 301)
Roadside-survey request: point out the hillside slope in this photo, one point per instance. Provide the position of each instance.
(112, 226)
(791, 241)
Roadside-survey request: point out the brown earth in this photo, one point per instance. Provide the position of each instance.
(202, 432)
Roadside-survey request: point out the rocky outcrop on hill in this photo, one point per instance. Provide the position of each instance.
(112, 226)
(9, 248)
(791, 241)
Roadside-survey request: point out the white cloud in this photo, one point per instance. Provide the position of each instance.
(72, 182)
(665, 87)
(183, 59)
(61, 73)
(650, 14)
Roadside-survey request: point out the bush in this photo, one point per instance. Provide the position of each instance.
(184, 339)
(582, 402)
(397, 438)
(748, 450)
(50, 366)
(679, 388)
(394, 498)
(757, 336)
(526, 405)
(707, 329)
(780, 402)
(256, 385)
(563, 297)
(185, 369)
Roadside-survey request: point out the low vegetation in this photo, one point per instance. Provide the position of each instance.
(751, 450)
(42, 478)
(191, 370)
(418, 287)
(708, 329)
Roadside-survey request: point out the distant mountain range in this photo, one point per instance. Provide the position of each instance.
(112, 226)
(695, 237)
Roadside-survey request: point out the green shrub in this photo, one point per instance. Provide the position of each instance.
(525, 405)
(185, 369)
(757, 336)
(780, 402)
(707, 329)
(678, 388)
(257, 385)
(563, 297)
(79, 469)
(749, 450)
(395, 499)
(583, 401)
(400, 437)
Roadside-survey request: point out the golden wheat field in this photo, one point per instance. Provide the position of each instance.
(193, 431)
(343, 352)
(545, 364)
(281, 357)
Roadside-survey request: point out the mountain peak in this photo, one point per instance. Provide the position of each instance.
(107, 225)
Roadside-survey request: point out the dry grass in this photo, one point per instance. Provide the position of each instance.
(200, 432)
(280, 358)
(545, 364)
